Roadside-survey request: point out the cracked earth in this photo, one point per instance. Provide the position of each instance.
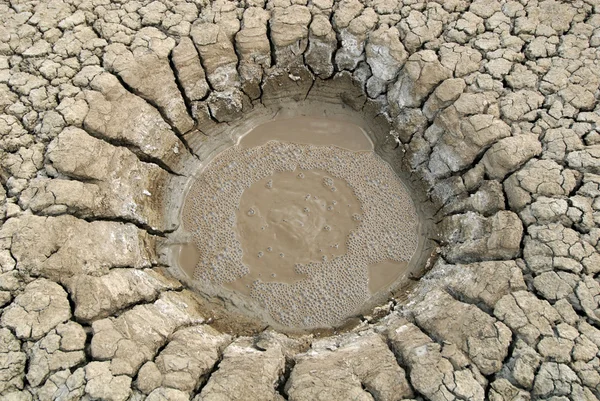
(107, 108)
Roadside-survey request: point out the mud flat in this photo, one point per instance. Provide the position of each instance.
(487, 111)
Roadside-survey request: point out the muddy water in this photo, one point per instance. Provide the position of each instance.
(294, 217)
(301, 232)
(311, 131)
(382, 275)
(187, 258)
(308, 231)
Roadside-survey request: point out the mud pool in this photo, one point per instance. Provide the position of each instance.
(301, 218)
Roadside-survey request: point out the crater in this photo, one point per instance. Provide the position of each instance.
(299, 224)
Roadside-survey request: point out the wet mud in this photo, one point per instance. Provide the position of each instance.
(302, 219)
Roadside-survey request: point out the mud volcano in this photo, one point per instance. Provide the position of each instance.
(309, 233)
(372, 200)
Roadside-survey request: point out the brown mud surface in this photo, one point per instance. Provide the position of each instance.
(303, 220)
(309, 130)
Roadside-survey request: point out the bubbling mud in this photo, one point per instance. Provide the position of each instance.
(308, 232)
(294, 217)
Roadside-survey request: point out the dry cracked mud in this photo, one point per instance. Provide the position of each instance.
(487, 109)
